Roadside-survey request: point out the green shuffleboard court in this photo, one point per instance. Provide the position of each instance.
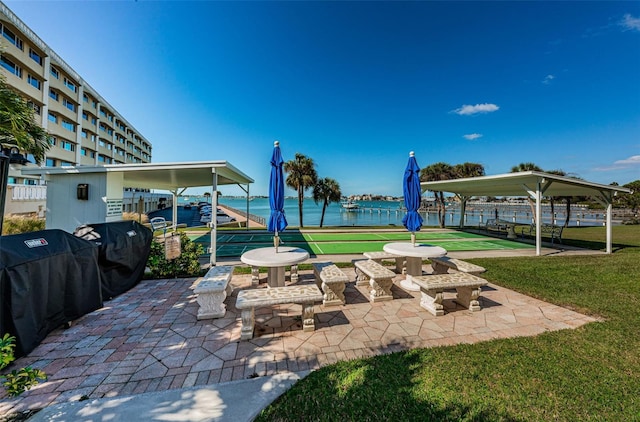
(337, 243)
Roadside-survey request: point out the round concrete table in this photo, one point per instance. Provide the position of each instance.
(275, 261)
(415, 254)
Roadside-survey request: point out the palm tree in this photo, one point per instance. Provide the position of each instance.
(302, 175)
(436, 172)
(527, 167)
(469, 170)
(326, 190)
(463, 171)
(18, 127)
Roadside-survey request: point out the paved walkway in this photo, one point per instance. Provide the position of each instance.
(149, 340)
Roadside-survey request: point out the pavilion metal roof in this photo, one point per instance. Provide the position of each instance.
(166, 176)
(518, 184)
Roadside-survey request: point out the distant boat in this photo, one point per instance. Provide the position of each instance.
(350, 206)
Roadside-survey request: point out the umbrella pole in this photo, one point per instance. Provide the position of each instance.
(276, 241)
(413, 238)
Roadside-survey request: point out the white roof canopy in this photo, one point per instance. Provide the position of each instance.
(533, 184)
(166, 176)
(518, 184)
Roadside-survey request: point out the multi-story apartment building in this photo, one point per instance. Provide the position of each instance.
(85, 129)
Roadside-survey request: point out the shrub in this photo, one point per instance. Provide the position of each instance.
(15, 224)
(186, 265)
(142, 219)
(18, 381)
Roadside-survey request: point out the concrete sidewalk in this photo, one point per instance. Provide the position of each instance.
(233, 401)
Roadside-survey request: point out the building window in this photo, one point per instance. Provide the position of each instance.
(92, 154)
(30, 182)
(85, 116)
(84, 134)
(53, 118)
(65, 164)
(102, 143)
(53, 94)
(54, 72)
(34, 82)
(66, 145)
(70, 85)
(69, 126)
(93, 120)
(83, 151)
(94, 104)
(53, 140)
(36, 107)
(70, 105)
(8, 34)
(11, 180)
(85, 98)
(11, 66)
(35, 56)
(50, 162)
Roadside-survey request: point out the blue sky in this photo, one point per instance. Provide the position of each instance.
(358, 85)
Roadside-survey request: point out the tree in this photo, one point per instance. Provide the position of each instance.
(326, 190)
(18, 127)
(302, 176)
(437, 172)
(469, 170)
(631, 200)
(527, 167)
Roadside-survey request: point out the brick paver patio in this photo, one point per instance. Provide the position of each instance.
(149, 338)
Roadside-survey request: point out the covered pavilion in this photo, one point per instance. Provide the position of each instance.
(109, 181)
(532, 184)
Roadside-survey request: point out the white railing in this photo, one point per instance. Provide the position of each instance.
(28, 193)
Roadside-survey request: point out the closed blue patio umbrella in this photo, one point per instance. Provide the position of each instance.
(277, 220)
(412, 197)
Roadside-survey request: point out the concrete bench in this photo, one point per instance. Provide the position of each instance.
(378, 277)
(248, 300)
(443, 264)
(212, 290)
(433, 286)
(378, 256)
(332, 281)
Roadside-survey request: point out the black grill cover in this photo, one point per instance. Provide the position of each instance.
(47, 278)
(124, 249)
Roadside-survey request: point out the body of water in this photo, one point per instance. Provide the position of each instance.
(390, 213)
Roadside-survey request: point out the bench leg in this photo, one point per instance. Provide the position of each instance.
(439, 268)
(361, 278)
(333, 294)
(431, 300)
(248, 322)
(255, 276)
(294, 273)
(308, 323)
(380, 289)
(468, 297)
(211, 305)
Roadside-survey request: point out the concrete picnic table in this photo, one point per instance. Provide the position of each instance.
(275, 262)
(415, 254)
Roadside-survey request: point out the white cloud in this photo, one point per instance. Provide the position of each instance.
(633, 161)
(547, 79)
(629, 23)
(472, 136)
(466, 109)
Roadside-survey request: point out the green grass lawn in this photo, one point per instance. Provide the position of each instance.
(590, 373)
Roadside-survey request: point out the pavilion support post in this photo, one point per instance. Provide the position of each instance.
(538, 220)
(214, 218)
(609, 228)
